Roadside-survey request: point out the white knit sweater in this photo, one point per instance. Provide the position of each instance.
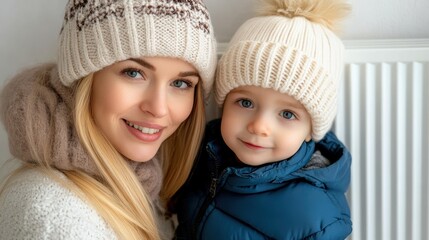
(33, 206)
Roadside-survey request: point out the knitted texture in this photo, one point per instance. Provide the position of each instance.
(98, 33)
(34, 206)
(38, 97)
(289, 54)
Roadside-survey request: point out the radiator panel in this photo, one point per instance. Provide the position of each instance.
(383, 119)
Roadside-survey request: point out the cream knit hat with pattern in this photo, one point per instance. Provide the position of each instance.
(97, 33)
(291, 49)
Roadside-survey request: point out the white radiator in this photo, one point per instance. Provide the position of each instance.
(383, 118)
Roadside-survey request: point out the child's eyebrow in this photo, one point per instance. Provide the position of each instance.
(290, 102)
(243, 91)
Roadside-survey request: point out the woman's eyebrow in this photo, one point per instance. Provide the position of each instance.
(153, 68)
(187, 74)
(144, 63)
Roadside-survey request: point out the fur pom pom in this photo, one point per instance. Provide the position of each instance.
(325, 12)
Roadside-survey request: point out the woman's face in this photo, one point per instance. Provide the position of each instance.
(138, 103)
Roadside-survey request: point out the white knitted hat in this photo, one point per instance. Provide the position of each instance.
(97, 33)
(293, 50)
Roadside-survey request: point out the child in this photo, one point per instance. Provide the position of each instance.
(270, 168)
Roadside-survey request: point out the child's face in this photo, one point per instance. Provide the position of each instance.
(263, 125)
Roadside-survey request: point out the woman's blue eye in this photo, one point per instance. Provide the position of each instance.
(245, 103)
(288, 115)
(133, 73)
(181, 84)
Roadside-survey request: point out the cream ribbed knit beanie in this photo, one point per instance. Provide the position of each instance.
(292, 49)
(98, 33)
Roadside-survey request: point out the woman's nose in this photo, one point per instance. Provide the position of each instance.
(155, 102)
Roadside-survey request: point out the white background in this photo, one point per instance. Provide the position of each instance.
(29, 30)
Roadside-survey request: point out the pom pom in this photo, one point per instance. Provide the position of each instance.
(325, 12)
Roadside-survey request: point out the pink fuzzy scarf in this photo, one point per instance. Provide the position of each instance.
(36, 97)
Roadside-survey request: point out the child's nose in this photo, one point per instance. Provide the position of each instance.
(259, 125)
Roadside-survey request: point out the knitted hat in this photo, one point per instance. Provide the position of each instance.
(292, 49)
(97, 33)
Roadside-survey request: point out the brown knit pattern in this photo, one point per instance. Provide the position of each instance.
(86, 13)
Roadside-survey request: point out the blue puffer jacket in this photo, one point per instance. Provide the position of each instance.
(224, 199)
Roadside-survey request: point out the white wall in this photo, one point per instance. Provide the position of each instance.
(29, 30)
(380, 19)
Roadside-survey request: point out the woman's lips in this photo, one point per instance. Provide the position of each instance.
(143, 131)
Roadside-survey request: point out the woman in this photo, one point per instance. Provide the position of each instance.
(128, 86)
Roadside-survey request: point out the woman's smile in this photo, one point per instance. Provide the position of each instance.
(145, 134)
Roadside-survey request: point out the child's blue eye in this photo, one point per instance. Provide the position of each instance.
(288, 115)
(181, 84)
(245, 103)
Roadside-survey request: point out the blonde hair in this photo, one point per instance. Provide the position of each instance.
(180, 149)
